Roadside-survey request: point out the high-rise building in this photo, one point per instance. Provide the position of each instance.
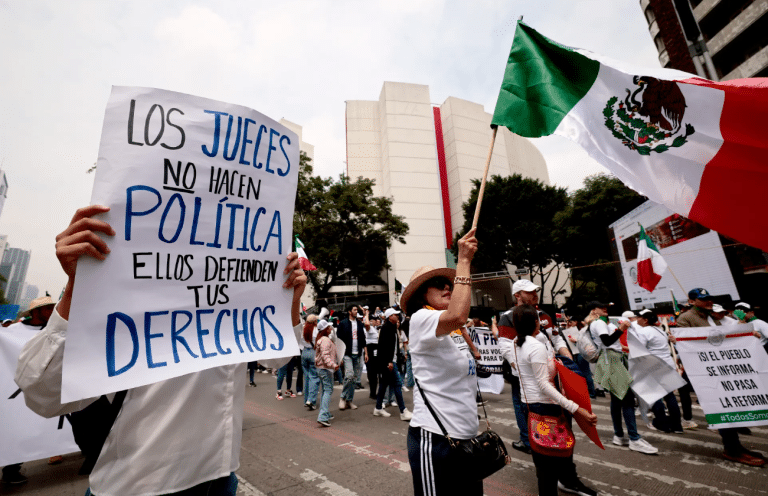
(3, 189)
(716, 39)
(29, 293)
(13, 267)
(425, 157)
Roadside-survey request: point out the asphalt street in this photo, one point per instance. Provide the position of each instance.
(285, 452)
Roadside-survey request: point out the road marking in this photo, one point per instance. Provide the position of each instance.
(245, 488)
(328, 486)
(368, 452)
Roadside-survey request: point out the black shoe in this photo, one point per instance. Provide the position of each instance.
(600, 393)
(14, 479)
(253, 384)
(577, 488)
(519, 446)
(744, 430)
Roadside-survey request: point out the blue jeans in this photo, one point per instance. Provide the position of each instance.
(311, 380)
(409, 382)
(286, 369)
(584, 367)
(521, 411)
(326, 384)
(390, 380)
(625, 408)
(353, 367)
(224, 486)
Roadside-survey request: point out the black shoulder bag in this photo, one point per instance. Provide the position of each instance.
(483, 455)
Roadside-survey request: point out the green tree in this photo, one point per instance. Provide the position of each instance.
(515, 227)
(346, 230)
(582, 227)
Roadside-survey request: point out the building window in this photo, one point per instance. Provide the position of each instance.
(659, 43)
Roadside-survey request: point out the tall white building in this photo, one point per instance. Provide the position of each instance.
(425, 157)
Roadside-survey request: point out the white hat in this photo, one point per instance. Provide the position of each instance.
(389, 312)
(744, 306)
(628, 314)
(323, 325)
(524, 285)
(717, 308)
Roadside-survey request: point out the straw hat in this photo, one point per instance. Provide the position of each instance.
(421, 276)
(43, 301)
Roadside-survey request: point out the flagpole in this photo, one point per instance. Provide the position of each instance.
(665, 325)
(485, 176)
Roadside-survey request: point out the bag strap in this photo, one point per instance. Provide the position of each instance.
(432, 411)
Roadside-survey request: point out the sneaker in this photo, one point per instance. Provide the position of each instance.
(405, 389)
(290, 393)
(279, 395)
(406, 415)
(689, 424)
(15, 478)
(300, 393)
(331, 417)
(642, 446)
(578, 488)
(342, 404)
(620, 441)
(252, 384)
(381, 413)
(520, 446)
(324, 423)
(351, 405)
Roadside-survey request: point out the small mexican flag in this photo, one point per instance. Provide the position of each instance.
(693, 145)
(650, 264)
(303, 260)
(675, 306)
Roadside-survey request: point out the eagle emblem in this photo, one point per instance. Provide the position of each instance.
(650, 118)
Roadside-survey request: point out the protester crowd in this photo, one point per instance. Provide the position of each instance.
(423, 343)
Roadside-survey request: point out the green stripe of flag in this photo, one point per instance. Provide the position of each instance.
(732, 417)
(648, 240)
(542, 83)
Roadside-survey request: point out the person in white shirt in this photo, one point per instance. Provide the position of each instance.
(438, 301)
(761, 327)
(170, 436)
(721, 316)
(657, 341)
(535, 359)
(611, 372)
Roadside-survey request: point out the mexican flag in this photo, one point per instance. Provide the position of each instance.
(303, 260)
(650, 264)
(698, 147)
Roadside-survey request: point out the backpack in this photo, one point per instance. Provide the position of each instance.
(587, 346)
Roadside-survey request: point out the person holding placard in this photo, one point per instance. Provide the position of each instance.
(176, 435)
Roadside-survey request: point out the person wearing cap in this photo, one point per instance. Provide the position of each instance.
(388, 339)
(699, 316)
(372, 345)
(151, 448)
(438, 301)
(611, 372)
(40, 310)
(748, 317)
(325, 363)
(657, 342)
(721, 316)
(525, 293)
(7, 322)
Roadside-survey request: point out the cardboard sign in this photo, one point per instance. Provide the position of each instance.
(729, 372)
(25, 435)
(575, 389)
(202, 197)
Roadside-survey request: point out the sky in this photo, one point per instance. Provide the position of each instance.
(298, 60)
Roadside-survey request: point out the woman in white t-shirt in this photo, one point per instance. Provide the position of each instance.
(438, 301)
(536, 364)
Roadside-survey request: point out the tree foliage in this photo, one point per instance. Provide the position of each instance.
(346, 230)
(515, 227)
(582, 227)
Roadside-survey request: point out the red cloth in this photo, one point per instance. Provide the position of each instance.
(575, 389)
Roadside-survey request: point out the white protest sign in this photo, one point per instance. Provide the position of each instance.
(25, 435)
(202, 197)
(490, 359)
(729, 372)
